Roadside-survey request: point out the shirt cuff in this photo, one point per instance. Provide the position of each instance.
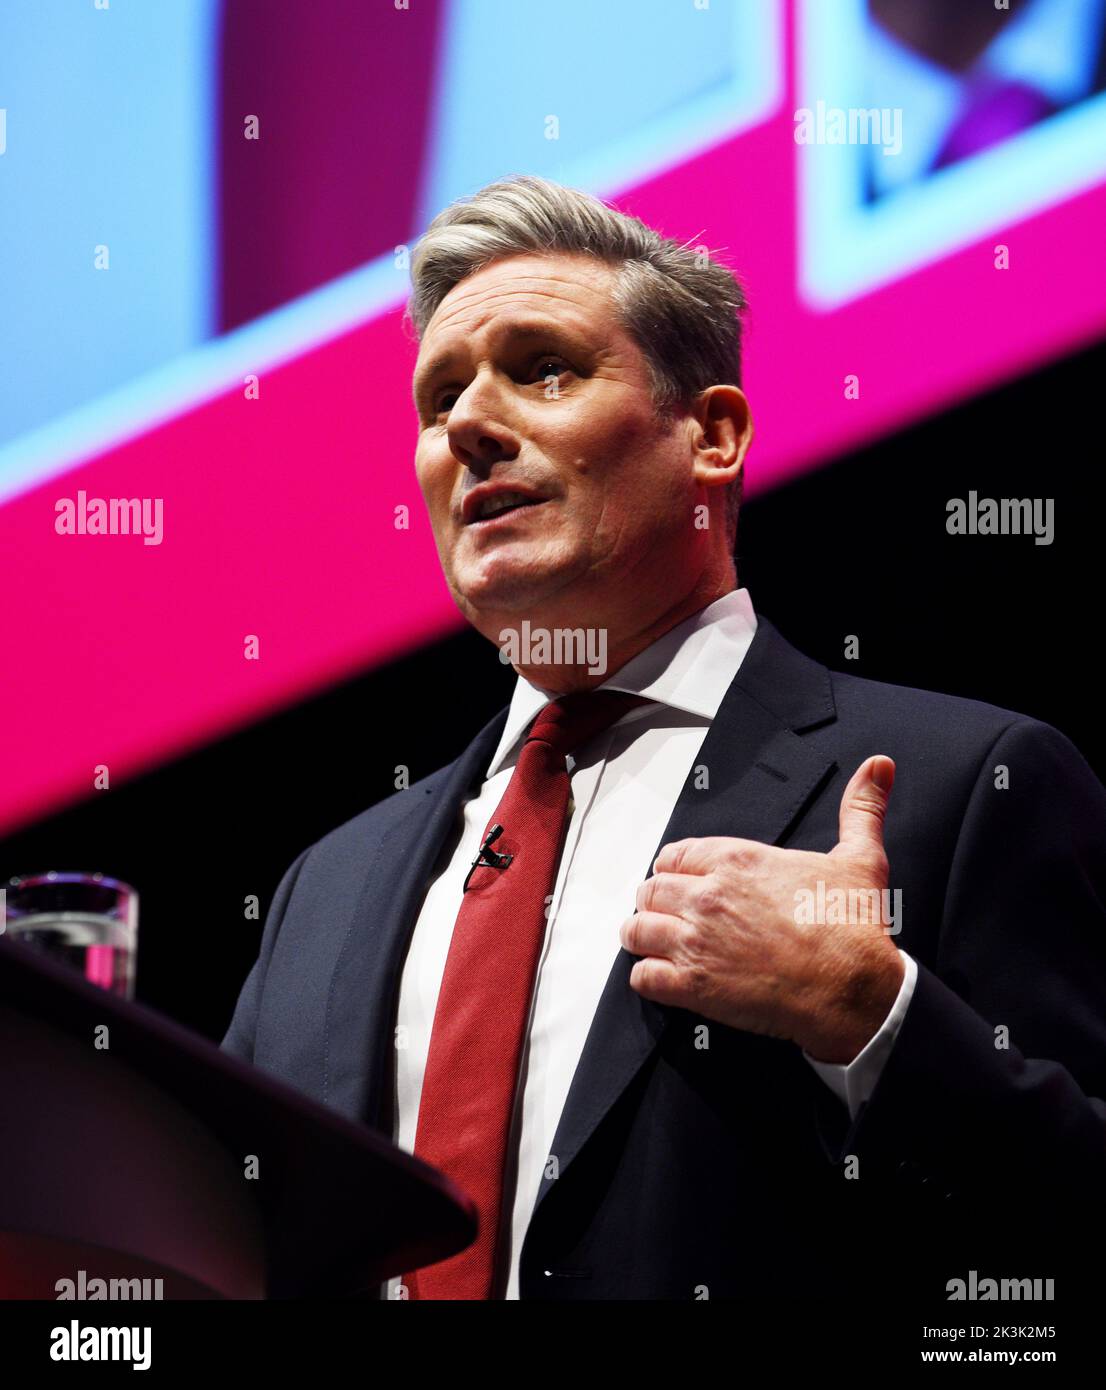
(853, 1082)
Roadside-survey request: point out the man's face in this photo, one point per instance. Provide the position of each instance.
(617, 483)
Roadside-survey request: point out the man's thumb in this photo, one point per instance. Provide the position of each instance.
(864, 804)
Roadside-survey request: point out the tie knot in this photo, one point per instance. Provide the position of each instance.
(568, 722)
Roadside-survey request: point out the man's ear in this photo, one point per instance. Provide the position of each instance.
(725, 431)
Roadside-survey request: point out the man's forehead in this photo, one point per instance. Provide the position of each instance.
(567, 275)
(509, 323)
(530, 304)
(573, 287)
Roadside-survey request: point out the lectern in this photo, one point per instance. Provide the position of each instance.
(132, 1148)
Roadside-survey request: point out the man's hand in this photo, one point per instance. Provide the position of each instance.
(720, 927)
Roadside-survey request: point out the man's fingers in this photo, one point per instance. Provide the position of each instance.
(698, 855)
(651, 934)
(864, 805)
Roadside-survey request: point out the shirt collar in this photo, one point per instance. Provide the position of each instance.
(688, 668)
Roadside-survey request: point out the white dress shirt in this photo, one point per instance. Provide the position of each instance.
(625, 783)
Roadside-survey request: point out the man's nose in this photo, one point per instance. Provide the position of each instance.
(478, 434)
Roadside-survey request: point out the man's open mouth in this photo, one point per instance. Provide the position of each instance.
(492, 508)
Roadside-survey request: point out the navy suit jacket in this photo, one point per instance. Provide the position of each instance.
(732, 1170)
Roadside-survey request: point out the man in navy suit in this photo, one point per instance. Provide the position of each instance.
(788, 1035)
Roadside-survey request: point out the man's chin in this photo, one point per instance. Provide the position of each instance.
(509, 596)
(510, 580)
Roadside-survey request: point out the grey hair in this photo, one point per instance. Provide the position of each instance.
(682, 308)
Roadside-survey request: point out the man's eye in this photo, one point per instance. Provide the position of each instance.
(543, 368)
(550, 366)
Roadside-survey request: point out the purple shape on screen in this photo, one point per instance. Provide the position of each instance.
(343, 95)
(993, 110)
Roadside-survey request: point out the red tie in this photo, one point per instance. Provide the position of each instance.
(472, 1068)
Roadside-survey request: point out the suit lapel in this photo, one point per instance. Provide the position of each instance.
(761, 775)
(364, 987)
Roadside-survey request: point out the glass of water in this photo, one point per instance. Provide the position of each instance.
(87, 920)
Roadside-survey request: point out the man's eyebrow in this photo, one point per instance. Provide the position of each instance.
(523, 329)
(428, 371)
